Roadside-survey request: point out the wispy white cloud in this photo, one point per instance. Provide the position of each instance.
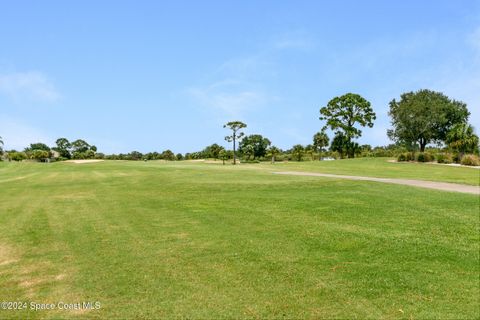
(474, 38)
(17, 134)
(298, 40)
(474, 41)
(461, 80)
(295, 134)
(31, 85)
(237, 86)
(229, 100)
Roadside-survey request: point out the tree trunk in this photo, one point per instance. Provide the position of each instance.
(423, 143)
(273, 159)
(234, 156)
(350, 150)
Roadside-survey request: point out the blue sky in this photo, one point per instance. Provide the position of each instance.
(152, 75)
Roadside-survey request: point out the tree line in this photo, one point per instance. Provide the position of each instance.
(63, 150)
(419, 119)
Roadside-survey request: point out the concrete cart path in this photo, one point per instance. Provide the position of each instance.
(445, 186)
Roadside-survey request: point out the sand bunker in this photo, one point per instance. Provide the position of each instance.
(84, 161)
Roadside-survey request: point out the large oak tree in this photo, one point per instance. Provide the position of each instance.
(423, 117)
(259, 143)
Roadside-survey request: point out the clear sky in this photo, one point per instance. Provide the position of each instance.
(152, 75)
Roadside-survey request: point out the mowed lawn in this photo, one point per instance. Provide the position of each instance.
(169, 240)
(383, 168)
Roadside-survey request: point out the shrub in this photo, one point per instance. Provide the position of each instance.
(444, 158)
(470, 160)
(424, 157)
(406, 156)
(17, 156)
(250, 161)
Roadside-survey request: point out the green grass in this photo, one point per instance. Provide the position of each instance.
(166, 240)
(380, 167)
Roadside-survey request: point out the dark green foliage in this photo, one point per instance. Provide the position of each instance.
(273, 152)
(462, 138)
(17, 156)
(320, 142)
(258, 143)
(168, 155)
(135, 155)
(342, 114)
(38, 151)
(223, 155)
(406, 156)
(212, 151)
(63, 148)
(343, 146)
(80, 149)
(152, 156)
(248, 152)
(40, 155)
(425, 116)
(298, 151)
(38, 146)
(424, 157)
(80, 146)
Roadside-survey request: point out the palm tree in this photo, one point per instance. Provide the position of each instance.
(223, 155)
(310, 149)
(298, 151)
(272, 152)
(1, 146)
(462, 139)
(249, 151)
(320, 140)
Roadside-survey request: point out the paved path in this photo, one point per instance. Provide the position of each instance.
(445, 186)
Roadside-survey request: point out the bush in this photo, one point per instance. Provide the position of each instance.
(406, 156)
(17, 156)
(470, 160)
(431, 155)
(444, 158)
(424, 157)
(456, 158)
(250, 161)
